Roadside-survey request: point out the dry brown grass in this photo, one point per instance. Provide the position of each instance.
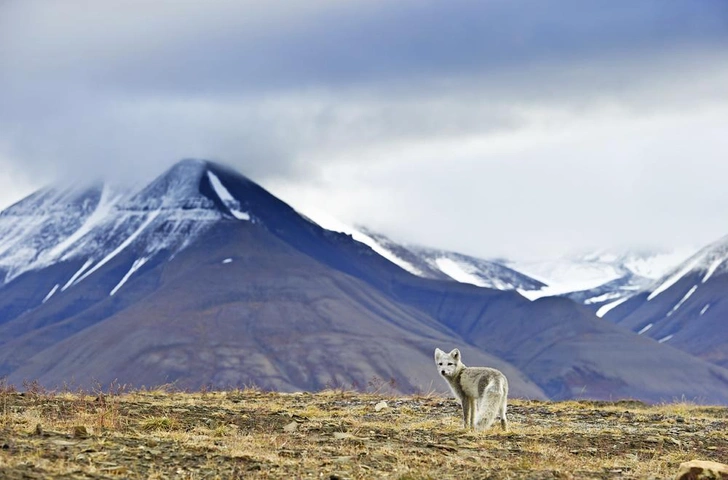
(339, 434)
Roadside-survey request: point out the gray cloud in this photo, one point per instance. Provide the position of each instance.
(227, 46)
(318, 94)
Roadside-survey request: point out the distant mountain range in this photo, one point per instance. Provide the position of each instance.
(434, 263)
(204, 278)
(598, 280)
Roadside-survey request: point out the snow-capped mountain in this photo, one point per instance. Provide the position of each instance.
(476, 271)
(686, 307)
(600, 279)
(97, 223)
(433, 263)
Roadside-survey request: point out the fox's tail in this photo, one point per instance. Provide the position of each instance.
(491, 403)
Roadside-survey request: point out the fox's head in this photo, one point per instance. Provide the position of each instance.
(448, 364)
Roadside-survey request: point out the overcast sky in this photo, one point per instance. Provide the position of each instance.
(492, 127)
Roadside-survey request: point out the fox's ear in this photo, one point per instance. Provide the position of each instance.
(438, 353)
(455, 354)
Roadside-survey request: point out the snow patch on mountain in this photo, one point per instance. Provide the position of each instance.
(50, 294)
(102, 210)
(603, 298)
(138, 263)
(644, 329)
(606, 308)
(226, 198)
(711, 270)
(128, 241)
(682, 300)
(457, 272)
(78, 273)
(674, 278)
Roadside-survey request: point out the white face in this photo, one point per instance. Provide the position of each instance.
(447, 363)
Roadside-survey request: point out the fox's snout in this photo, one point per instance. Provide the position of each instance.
(442, 372)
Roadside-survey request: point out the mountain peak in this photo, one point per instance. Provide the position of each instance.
(95, 224)
(178, 187)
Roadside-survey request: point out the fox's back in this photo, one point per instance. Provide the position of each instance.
(475, 381)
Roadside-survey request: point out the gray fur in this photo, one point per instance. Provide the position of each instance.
(482, 391)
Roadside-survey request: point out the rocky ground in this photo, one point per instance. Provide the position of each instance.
(341, 434)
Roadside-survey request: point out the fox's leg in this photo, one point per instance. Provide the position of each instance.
(473, 413)
(502, 413)
(477, 413)
(467, 411)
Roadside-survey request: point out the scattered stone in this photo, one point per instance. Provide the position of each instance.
(117, 469)
(79, 431)
(674, 441)
(289, 453)
(63, 443)
(291, 427)
(38, 429)
(341, 435)
(702, 469)
(380, 406)
(447, 448)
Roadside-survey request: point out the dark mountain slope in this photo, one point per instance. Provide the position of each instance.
(569, 352)
(269, 316)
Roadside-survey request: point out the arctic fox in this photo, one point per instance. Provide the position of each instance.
(482, 391)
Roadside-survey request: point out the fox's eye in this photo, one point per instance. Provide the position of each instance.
(440, 364)
(449, 364)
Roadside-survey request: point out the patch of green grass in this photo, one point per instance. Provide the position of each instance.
(152, 424)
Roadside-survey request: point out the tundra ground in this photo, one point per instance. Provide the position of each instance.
(342, 434)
